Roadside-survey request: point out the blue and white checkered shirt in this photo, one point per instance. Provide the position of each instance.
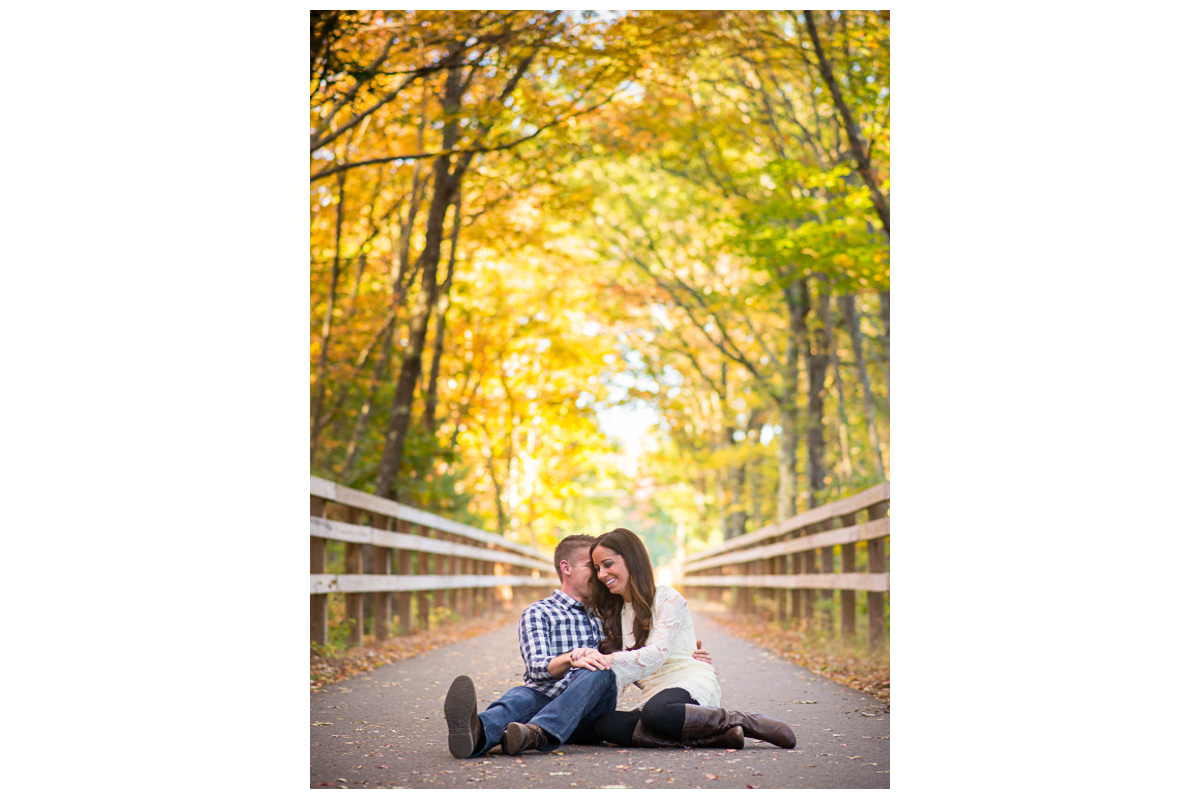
(550, 628)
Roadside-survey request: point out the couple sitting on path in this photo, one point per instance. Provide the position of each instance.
(607, 626)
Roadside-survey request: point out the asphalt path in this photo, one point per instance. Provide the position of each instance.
(386, 729)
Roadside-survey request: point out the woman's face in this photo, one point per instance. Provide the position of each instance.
(612, 571)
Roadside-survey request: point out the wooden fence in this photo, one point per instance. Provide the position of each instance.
(780, 568)
(400, 564)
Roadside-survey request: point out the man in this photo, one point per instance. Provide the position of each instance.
(567, 685)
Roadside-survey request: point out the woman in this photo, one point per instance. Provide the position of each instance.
(647, 639)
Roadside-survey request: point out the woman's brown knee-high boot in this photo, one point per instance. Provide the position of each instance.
(699, 721)
(728, 738)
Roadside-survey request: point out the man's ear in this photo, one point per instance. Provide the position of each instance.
(565, 567)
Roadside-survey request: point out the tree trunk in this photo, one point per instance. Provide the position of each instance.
(885, 312)
(401, 241)
(857, 146)
(733, 514)
(326, 332)
(845, 469)
(789, 408)
(816, 359)
(439, 339)
(850, 316)
(754, 515)
(743, 497)
(445, 187)
(737, 503)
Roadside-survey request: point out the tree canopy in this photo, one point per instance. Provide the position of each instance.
(528, 225)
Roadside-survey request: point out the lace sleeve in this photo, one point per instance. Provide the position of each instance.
(633, 665)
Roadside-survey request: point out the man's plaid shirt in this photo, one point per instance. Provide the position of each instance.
(550, 628)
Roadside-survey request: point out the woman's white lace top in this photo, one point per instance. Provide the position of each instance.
(665, 661)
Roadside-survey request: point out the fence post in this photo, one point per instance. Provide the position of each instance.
(477, 602)
(466, 566)
(450, 565)
(809, 596)
(461, 566)
(877, 562)
(796, 567)
(354, 600)
(827, 569)
(523, 592)
(422, 596)
(381, 560)
(745, 595)
(499, 570)
(402, 601)
(368, 567)
(779, 566)
(318, 603)
(439, 595)
(847, 595)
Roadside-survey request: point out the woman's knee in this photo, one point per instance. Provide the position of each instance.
(664, 713)
(656, 706)
(663, 704)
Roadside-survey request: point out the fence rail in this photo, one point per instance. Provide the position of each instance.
(401, 563)
(781, 567)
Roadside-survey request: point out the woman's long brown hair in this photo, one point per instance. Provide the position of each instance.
(607, 606)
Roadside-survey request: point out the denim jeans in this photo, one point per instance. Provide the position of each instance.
(570, 717)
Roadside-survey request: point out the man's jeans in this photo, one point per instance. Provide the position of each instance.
(568, 717)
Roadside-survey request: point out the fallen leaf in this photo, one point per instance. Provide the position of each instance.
(710, 776)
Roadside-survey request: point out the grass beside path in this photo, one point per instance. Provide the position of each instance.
(853, 665)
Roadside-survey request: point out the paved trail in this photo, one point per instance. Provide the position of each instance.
(386, 729)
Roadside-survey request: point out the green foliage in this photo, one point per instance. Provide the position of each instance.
(686, 167)
(441, 615)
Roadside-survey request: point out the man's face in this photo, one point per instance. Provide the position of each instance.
(580, 579)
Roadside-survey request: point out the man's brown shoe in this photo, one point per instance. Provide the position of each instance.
(519, 737)
(466, 731)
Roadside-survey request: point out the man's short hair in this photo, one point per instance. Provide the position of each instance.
(567, 548)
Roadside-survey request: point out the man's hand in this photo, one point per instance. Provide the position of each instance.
(701, 654)
(590, 659)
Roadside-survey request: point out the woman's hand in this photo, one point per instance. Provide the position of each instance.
(590, 659)
(701, 654)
